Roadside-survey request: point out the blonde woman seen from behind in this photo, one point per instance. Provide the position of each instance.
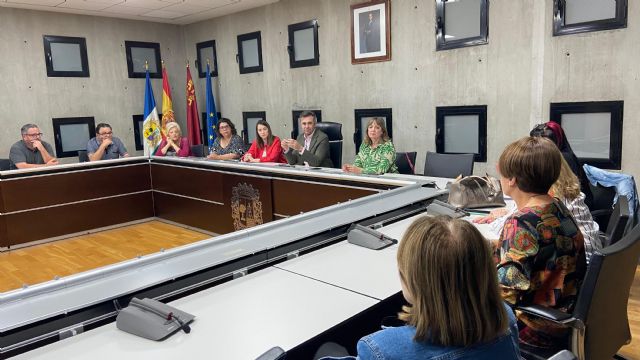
(466, 319)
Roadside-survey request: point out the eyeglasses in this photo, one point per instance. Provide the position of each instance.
(224, 127)
(33, 135)
(105, 134)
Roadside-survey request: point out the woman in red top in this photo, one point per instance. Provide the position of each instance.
(266, 147)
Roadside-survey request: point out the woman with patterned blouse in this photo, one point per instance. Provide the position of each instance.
(540, 252)
(227, 145)
(377, 154)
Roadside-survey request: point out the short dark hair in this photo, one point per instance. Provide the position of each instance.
(533, 161)
(308, 113)
(102, 125)
(228, 122)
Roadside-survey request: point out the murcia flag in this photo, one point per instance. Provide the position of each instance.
(151, 124)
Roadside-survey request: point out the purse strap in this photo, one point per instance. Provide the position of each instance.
(410, 163)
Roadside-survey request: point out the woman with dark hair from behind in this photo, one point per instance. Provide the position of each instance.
(466, 319)
(553, 131)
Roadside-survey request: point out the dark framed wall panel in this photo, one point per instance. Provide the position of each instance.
(73, 218)
(362, 116)
(39, 191)
(590, 141)
(208, 48)
(453, 24)
(72, 134)
(135, 63)
(564, 25)
(250, 52)
(301, 53)
(477, 112)
(66, 56)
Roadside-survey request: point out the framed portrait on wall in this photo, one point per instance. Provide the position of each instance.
(371, 32)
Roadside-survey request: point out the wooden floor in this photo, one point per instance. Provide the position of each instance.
(632, 351)
(41, 263)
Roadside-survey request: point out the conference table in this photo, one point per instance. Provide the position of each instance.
(301, 210)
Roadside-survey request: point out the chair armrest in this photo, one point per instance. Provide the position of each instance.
(601, 212)
(563, 355)
(275, 353)
(546, 313)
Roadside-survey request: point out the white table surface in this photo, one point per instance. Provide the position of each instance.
(240, 319)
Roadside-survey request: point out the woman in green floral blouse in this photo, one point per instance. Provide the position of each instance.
(377, 154)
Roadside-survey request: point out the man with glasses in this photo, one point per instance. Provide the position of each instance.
(105, 146)
(31, 151)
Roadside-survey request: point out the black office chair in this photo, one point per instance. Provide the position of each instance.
(448, 165)
(599, 323)
(617, 227)
(83, 156)
(602, 205)
(5, 164)
(197, 150)
(334, 132)
(406, 162)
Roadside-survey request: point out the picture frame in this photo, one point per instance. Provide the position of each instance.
(371, 32)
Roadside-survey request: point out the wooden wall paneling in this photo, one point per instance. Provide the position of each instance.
(45, 190)
(197, 183)
(199, 214)
(292, 197)
(28, 226)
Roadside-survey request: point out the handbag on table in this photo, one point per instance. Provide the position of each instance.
(472, 192)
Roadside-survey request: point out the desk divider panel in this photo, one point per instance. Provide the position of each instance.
(28, 226)
(292, 197)
(59, 188)
(197, 183)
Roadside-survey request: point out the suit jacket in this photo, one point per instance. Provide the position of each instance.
(318, 153)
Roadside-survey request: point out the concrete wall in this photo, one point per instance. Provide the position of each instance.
(517, 75)
(108, 95)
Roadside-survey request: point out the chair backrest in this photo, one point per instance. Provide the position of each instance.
(5, 164)
(406, 162)
(448, 165)
(602, 203)
(334, 132)
(603, 297)
(197, 150)
(617, 226)
(83, 156)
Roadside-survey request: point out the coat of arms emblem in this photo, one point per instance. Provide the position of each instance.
(246, 207)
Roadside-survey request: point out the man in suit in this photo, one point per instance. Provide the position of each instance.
(311, 147)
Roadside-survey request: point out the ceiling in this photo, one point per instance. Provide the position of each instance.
(180, 12)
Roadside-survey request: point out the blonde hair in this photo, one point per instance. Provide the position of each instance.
(379, 122)
(533, 161)
(171, 125)
(567, 186)
(447, 268)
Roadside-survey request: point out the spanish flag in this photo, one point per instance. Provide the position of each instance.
(167, 104)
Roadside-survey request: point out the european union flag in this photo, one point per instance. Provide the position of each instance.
(212, 115)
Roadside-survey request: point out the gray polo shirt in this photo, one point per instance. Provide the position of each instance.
(113, 151)
(20, 153)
